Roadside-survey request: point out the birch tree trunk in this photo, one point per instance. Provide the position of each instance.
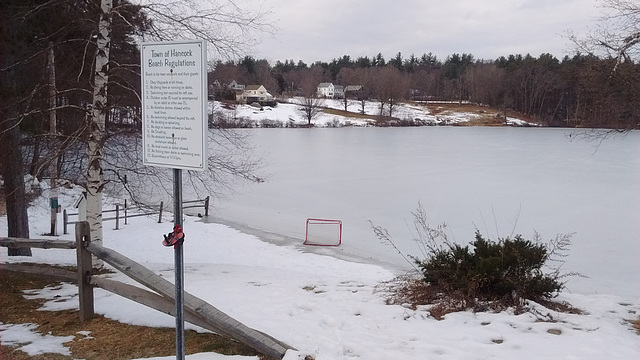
(95, 145)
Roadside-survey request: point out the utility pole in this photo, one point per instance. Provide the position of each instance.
(53, 132)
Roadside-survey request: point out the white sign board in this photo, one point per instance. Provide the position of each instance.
(174, 104)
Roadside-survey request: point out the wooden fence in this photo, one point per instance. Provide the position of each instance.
(139, 210)
(196, 311)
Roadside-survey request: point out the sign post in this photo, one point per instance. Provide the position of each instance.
(174, 128)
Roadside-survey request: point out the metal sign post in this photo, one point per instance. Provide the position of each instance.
(174, 129)
(179, 264)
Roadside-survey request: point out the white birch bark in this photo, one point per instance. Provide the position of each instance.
(95, 178)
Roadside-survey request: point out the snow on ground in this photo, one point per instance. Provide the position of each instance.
(286, 113)
(323, 306)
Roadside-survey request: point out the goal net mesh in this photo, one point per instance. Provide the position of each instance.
(323, 232)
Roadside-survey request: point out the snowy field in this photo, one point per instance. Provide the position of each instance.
(322, 305)
(287, 113)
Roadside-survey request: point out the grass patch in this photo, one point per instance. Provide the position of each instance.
(411, 291)
(449, 107)
(484, 115)
(110, 339)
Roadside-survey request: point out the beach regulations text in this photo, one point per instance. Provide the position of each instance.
(174, 104)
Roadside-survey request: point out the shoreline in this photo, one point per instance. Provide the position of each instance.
(296, 243)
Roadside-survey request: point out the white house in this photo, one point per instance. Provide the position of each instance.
(330, 91)
(254, 93)
(326, 90)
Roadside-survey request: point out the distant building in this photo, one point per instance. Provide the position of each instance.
(354, 91)
(330, 91)
(233, 85)
(326, 90)
(254, 93)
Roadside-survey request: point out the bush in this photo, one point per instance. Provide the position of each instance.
(508, 270)
(485, 274)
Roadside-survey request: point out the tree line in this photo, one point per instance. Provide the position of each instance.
(578, 91)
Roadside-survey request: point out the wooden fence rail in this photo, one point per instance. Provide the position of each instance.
(196, 204)
(162, 298)
(138, 210)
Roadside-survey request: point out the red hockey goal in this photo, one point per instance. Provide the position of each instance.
(323, 232)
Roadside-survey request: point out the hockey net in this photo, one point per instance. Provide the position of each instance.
(323, 232)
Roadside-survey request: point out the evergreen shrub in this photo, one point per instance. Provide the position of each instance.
(485, 274)
(508, 270)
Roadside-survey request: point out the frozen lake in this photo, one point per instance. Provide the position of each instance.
(502, 181)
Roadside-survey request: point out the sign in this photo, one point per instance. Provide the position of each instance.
(174, 104)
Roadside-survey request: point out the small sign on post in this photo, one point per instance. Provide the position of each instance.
(174, 129)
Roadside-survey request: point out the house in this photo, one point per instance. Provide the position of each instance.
(353, 91)
(214, 89)
(326, 90)
(254, 93)
(233, 85)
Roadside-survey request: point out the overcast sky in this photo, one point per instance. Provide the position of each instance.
(321, 30)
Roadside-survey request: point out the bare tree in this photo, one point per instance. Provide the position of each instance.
(618, 33)
(310, 107)
(486, 85)
(362, 77)
(389, 86)
(617, 39)
(346, 77)
(229, 29)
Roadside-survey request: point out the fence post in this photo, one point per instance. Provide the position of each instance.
(85, 290)
(206, 206)
(65, 220)
(125, 211)
(117, 217)
(160, 217)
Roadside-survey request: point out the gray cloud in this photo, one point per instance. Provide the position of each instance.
(311, 30)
